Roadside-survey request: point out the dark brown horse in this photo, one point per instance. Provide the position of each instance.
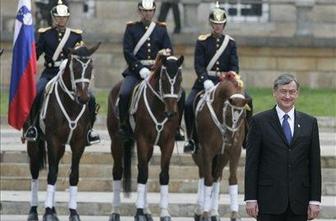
(64, 119)
(155, 113)
(220, 118)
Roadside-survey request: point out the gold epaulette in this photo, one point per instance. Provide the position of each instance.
(77, 31)
(131, 22)
(162, 23)
(203, 37)
(41, 30)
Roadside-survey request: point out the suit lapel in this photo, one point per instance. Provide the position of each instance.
(297, 127)
(277, 126)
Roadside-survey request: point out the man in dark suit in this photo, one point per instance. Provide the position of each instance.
(283, 171)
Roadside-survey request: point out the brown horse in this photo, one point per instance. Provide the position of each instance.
(220, 118)
(154, 108)
(64, 119)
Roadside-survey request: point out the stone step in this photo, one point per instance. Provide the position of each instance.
(95, 184)
(102, 152)
(99, 203)
(105, 218)
(92, 173)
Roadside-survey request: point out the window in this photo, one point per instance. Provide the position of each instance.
(246, 10)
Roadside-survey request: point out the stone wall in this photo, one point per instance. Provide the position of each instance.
(266, 49)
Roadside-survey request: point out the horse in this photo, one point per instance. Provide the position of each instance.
(64, 119)
(220, 131)
(154, 109)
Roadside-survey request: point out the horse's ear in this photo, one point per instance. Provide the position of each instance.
(180, 60)
(93, 49)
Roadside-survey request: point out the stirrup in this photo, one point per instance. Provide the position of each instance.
(189, 147)
(31, 134)
(93, 137)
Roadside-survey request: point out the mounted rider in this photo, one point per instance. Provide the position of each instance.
(141, 43)
(215, 53)
(54, 43)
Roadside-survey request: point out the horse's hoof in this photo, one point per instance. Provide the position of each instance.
(74, 217)
(197, 217)
(114, 217)
(140, 218)
(49, 217)
(165, 218)
(149, 217)
(215, 218)
(235, 216)
(33, 216)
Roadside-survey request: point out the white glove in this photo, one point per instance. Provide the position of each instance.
(208, 84)
(144, 72)
(165, 52)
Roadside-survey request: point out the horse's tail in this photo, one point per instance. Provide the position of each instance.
(127, 172)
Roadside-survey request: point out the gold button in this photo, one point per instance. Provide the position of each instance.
(59, 34)
(146, 27)
(217, 62)
(148, 44)
(149, 50)
(217, 68)
(60, 39)
(218, 39)
(49, 64)
(148, 57)
(148, 39)
(217, 45)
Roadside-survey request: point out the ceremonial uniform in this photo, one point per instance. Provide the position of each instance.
(206, 47)
(49, 39)
(145, 57)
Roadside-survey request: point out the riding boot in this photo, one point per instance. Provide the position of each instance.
(125, 130)
(92, 136)
(249, 113)
(179, 136)
(31, 134)
(189, 146)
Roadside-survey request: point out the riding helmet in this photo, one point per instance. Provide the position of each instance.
(218, 15)
(146, 5)
(60, 9)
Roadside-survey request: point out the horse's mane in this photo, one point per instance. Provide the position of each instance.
(233, 78)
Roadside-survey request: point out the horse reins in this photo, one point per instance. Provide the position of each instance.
(70, 93)
(222, 127)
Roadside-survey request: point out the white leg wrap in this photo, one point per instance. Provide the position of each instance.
(207, 198)
(49, 202)
(200, 197)
(146, 210)
(116, 196)
(73, 190)
(164, 196)
(140, 203)
(34, 192)
(233, 191)
(215, 199)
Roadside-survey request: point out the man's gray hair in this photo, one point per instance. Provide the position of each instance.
(285, 79)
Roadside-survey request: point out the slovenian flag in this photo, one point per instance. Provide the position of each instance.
(22, 86)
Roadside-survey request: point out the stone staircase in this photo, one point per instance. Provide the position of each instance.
(95, 185)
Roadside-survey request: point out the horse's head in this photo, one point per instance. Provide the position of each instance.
(170, 79)
(235, 102)
(80, 67)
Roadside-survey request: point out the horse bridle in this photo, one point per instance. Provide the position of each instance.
(236, 113)
(161, 96)
(71, 93)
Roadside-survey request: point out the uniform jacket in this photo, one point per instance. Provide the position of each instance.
(158, 40)
(205, 49)
(278, 174)
(48, 40)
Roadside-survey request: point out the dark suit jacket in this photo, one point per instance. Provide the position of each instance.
(277, 173)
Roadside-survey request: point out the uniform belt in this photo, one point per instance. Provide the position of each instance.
(147, 62)
(53, 64)
(214, 73)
